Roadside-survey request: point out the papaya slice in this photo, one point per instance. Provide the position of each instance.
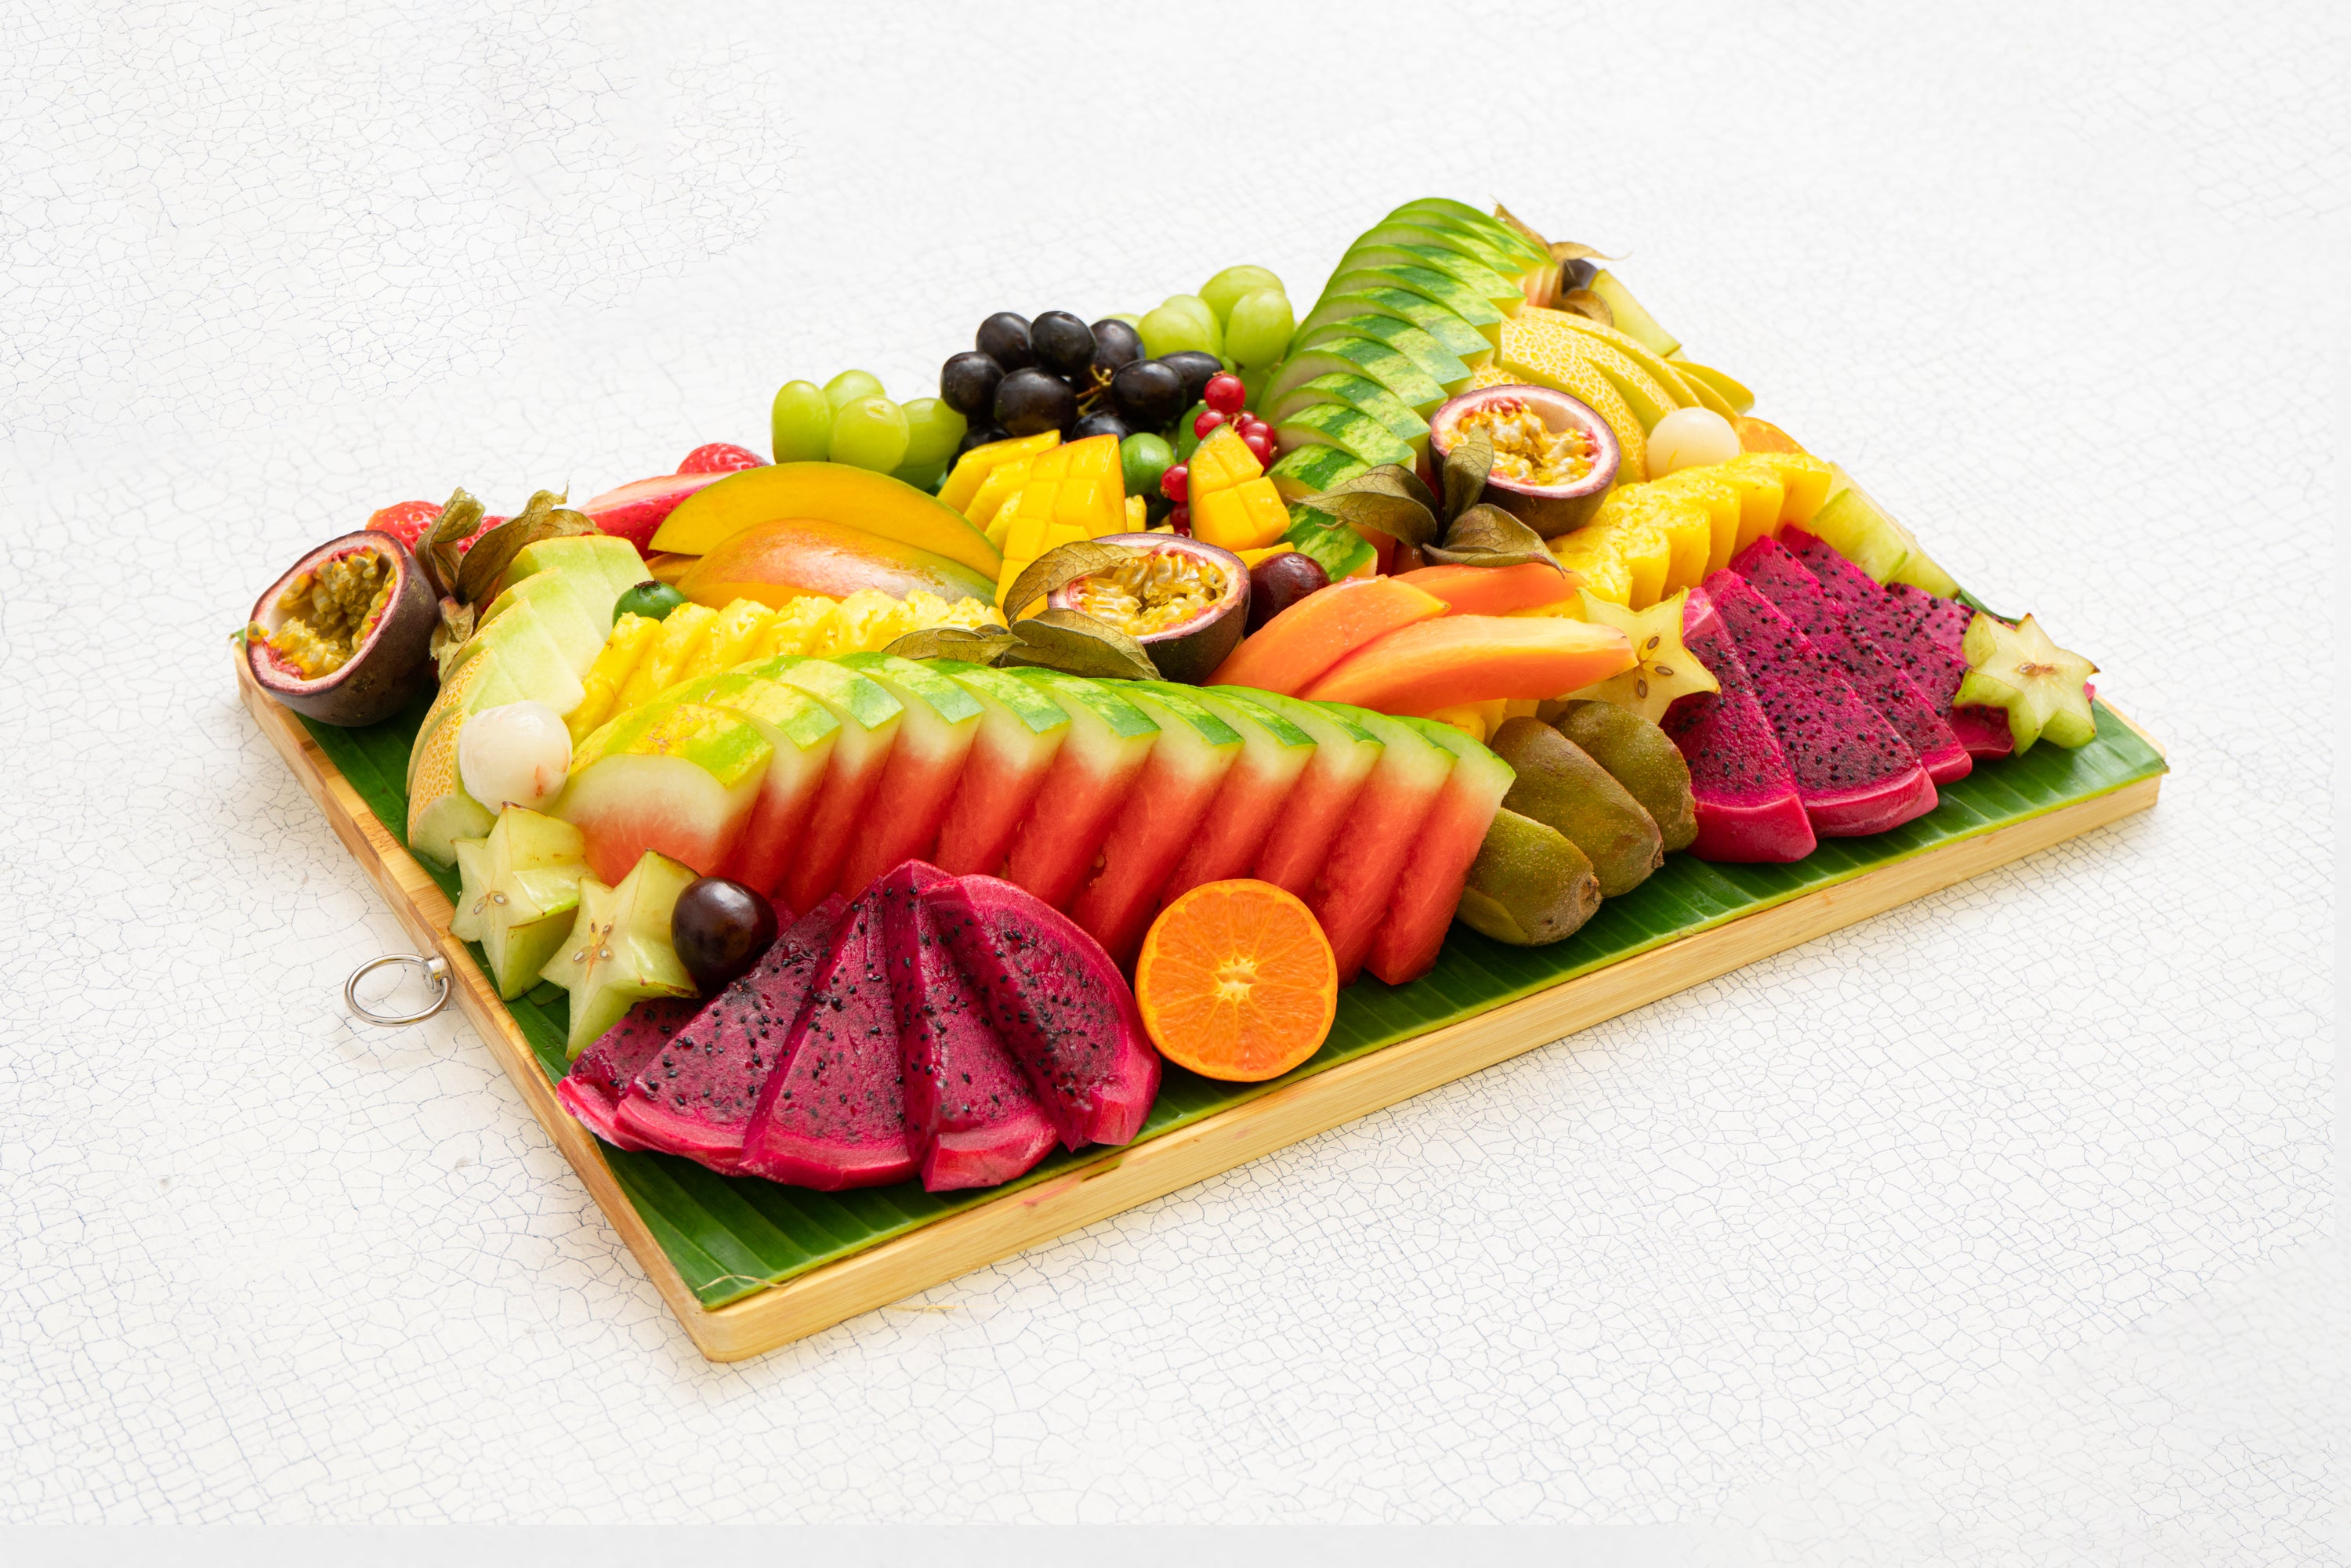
(1294, 649)
(1493, 590)
(1474, 658)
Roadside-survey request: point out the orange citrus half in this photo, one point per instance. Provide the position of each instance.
(1236, 981)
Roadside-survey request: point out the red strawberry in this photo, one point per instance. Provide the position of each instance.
(470, 539)
(405, 521)
(720, 457)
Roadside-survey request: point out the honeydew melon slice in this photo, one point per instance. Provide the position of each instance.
(482, 684)
(934, 740)
(568, 606)
(601, 558)
(1365, 357)
(1162, 814)
(801, 731)
(1453, 335)
(1110, 739)
(1020, 734)
(1448, 293)
(678, 780)
(1445, 369)
(1357, 434)
(1358, 393)
(1501, 293)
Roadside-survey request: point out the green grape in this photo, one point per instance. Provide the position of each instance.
(848, 386)
(1143, 458)
(801, 424)
(1129, 317)
(1197, 308)
(1261, 327)
(924, 476)
(1174, 328)
(870, 433)
(1234, 284)
(932, 431)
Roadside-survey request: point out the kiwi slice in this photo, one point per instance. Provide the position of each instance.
(1642, 758)
(1562, 786)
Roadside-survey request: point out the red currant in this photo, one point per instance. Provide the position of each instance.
(1172, 483)
(1208, 421)
(1259, 442)
(1225, 394)
(1180, 519)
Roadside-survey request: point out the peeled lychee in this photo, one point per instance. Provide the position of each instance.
(515, 755)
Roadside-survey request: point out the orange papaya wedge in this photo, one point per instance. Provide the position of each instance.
(1290, 652)
(1494, 590)
(1474, 658)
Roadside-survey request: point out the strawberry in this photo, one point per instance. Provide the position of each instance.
(405, 521)
(720, 457)
(470, 539)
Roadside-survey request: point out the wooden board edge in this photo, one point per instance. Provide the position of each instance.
(948, 1247)
(955, 1245)
(424, 911)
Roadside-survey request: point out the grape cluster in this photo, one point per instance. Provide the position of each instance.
(1023, 377)
(850, 419)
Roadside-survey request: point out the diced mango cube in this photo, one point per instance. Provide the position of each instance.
(1219, 463)
(1138, 515)
(1003, 481)
(1026, 538)
(972, 469)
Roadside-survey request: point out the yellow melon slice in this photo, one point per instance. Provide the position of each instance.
(1537, 363)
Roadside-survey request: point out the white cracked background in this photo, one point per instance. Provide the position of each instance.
(2000, 1228)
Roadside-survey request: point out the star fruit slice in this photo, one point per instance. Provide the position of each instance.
(1662, 669)
(2018, 668)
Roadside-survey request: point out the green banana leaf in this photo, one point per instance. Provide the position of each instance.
(731, 1236)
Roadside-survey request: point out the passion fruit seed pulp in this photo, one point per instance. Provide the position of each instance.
(329, 612)
(1527, 449)
(1153, 592)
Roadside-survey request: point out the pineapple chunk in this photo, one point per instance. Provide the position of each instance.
(794, 628)
(1804, 482)
(730, 639)
(867, 622)
(681, 635)
(609, 672)
(1138, 515)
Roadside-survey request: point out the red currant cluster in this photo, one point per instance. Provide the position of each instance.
(1224, 395)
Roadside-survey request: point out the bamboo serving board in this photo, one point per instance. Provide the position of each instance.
(1119, 1179)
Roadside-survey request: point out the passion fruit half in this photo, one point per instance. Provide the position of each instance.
(343, 637)
(1184, 601)
(1554, 456)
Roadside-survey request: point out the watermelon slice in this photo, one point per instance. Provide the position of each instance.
(1345, 753)
(802, 732)
(674, 777)
(1429, 887)
(1109, 741)
(934, 740)
(1275, 753)
(1020, 734)
(1350, 895)
(869, 718)
(1160, 817)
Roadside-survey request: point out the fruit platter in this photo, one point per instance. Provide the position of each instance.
(1188, 730)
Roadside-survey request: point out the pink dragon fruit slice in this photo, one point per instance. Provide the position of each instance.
(1796, 594)
(1744, 791)
(1918, 630)
(694, 1095)
(1058, 1002)
(833, 1115)
(971, 1120)
(1853, 774)
(591, 1091)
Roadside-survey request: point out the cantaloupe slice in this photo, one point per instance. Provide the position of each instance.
(1293, 650)
(1493, 590)
(1474, 658)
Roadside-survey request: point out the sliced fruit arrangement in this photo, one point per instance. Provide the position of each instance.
(1236, 648)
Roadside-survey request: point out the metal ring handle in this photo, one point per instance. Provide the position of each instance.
(436, 969)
